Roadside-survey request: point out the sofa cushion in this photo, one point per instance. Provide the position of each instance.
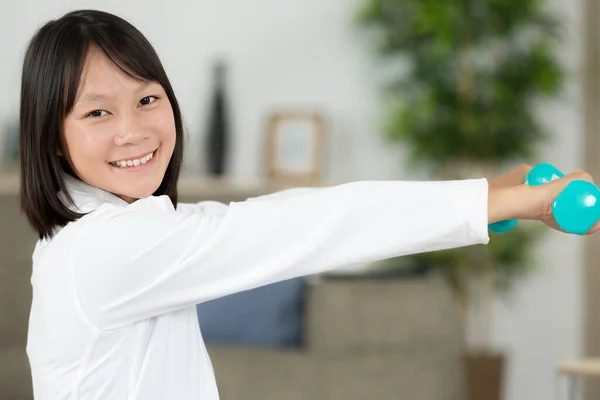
(268, 316)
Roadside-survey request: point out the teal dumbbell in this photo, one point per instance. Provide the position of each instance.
(576, 209)
(538, 175)
(502, 226)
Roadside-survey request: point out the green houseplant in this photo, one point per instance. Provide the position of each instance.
(463, 103)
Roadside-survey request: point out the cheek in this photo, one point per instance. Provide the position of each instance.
(165, 122)
(86, 145)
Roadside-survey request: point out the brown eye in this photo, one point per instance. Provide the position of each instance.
(97, 113)
(147, 100)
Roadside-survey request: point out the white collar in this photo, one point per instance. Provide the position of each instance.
(86, 198)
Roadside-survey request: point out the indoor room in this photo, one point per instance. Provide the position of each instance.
(355, 196)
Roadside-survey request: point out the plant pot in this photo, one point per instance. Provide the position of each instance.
(484, 372)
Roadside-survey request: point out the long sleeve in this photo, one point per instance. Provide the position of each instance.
(145, 259)
(212, 207)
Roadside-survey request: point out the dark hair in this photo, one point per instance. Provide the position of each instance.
(51, 72)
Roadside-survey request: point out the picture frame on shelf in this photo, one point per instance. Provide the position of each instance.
(294, 146)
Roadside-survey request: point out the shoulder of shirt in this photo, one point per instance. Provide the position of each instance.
(203, 207)
(98, 206)
(95, 210)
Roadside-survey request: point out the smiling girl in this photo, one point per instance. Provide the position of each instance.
(120, 265)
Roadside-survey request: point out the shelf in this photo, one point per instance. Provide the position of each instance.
(584, 367)
(205, 188)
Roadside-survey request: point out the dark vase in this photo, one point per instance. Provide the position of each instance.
(218, 126)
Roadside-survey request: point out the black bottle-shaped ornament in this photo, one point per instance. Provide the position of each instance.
(218, 134)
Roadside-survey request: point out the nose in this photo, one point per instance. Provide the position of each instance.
(130, 131)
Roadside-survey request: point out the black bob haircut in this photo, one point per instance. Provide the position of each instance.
(51, 74)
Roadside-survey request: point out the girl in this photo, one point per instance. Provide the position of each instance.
(120, 264)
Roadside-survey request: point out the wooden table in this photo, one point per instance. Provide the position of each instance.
(577, 370)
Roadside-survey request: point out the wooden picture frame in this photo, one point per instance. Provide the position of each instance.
(294, 147)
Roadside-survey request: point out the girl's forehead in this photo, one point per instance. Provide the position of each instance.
(98, 68)
(100, 76)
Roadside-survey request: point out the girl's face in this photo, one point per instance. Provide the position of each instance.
(120, 135)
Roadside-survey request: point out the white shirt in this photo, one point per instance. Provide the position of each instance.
(114, 293)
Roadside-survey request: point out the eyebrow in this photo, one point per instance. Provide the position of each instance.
(91, 97)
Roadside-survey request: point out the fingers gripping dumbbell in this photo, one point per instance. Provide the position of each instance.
(576, 209)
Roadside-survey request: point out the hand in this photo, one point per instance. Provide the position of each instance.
(510, 198)
(549, 191)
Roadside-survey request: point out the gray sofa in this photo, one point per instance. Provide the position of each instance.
(363, 338)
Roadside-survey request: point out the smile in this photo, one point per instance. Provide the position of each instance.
(134, 162)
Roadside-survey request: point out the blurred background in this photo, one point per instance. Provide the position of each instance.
(283, 93)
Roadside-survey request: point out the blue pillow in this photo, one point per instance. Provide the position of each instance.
(268, 316)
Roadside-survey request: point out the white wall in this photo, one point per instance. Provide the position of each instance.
(304, 53)
(543, 325)
(283, 53)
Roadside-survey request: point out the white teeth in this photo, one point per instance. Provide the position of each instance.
(133, 163)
